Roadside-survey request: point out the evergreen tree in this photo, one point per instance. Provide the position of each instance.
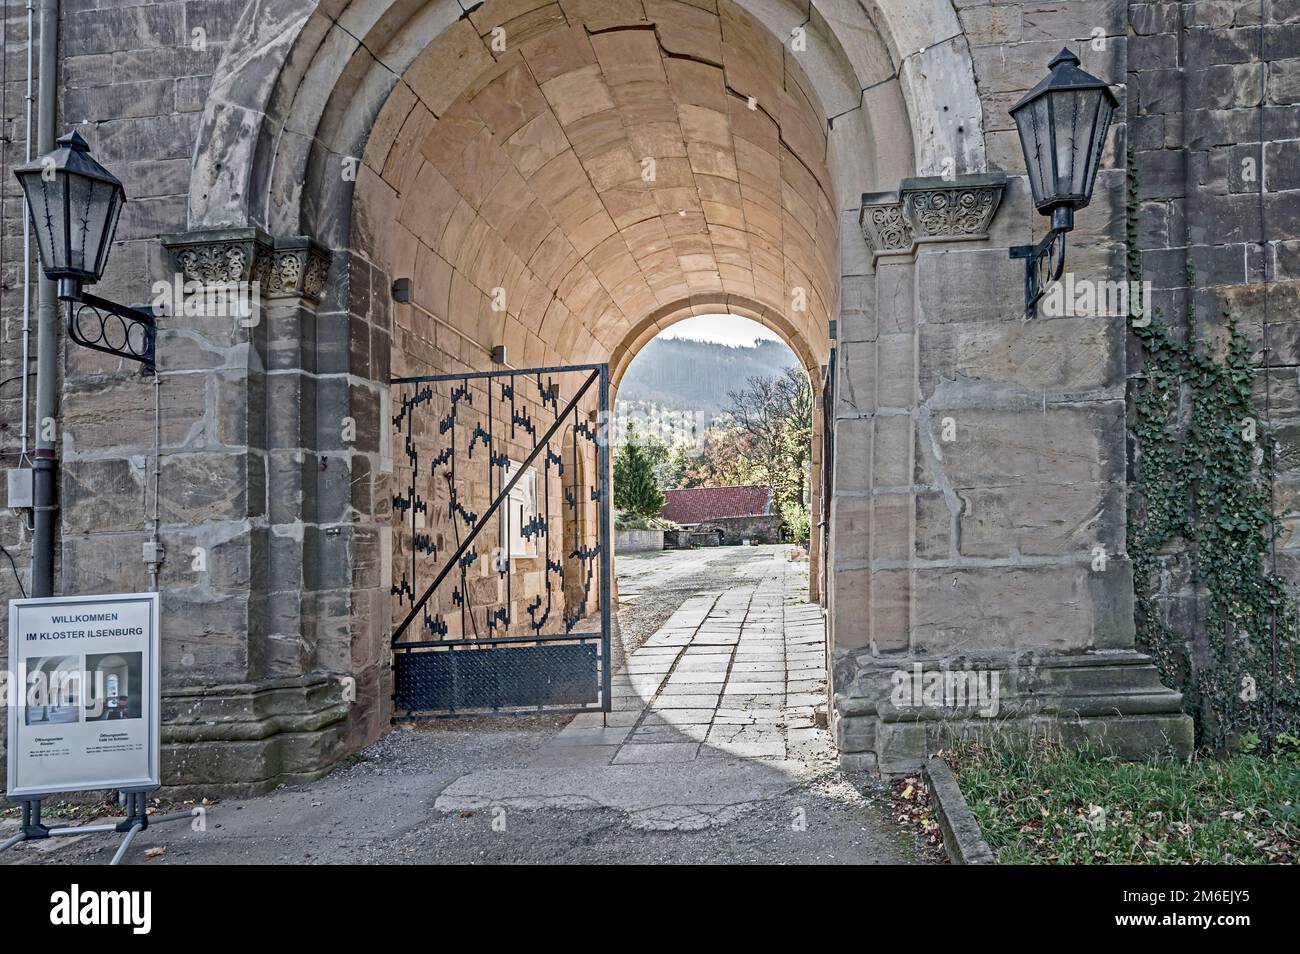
(635, 487)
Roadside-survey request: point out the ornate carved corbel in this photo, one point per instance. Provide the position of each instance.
(930, 209)
(281, 267)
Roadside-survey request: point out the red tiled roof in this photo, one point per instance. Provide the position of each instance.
(700, 504)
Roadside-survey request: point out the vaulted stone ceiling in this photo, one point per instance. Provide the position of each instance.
(610, 170)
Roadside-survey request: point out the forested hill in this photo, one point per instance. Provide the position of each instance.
(696, 375)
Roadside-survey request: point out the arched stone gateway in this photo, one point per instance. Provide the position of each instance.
(567, 179)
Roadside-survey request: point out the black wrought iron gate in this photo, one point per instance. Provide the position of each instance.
(502, 514)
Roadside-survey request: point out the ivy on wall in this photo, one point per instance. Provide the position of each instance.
(1203, 477)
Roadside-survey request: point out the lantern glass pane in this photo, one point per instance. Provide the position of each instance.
(80, 192)
(38, 208)
(56, 203)
(90, 220)
(1105, 112)
(106, 245)
(1071, 135)
(1035, 142)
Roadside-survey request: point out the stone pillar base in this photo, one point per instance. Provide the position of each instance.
(1112, 701)
(237, 741)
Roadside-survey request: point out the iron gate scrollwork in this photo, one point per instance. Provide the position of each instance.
(502, 540)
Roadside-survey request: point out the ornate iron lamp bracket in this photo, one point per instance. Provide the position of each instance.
(1044, 264)
(120, 330)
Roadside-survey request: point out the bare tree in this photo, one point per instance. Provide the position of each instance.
(774, 415)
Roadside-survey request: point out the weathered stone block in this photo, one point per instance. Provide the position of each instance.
(853, 454)
(851, 608)
(892, 451)
(994, 362)
(104, 562)
(1029, 520)
(891, 601)
(196, 488)
(857, 375)
(117, 414)
(204, 562)
(125, 28)
(103, 494)
(891, 527)
(851, 527)
(934, 523)
(958, 285)
(1066, 445)
(1062, 608)
(896, 370)
(894, 296)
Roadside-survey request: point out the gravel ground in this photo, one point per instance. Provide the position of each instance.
(378, 807)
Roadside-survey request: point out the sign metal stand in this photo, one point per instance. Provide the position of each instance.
(137, 820)
(61, 640)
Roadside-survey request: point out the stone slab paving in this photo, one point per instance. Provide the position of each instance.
(731, 673)
(712, 714)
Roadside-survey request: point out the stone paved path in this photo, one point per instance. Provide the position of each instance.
(714, 713)
(736, 673)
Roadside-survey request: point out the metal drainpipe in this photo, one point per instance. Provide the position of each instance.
(26, 368)
(45, 478)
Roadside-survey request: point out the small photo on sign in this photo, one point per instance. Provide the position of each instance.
(113, 686)
(53, 690)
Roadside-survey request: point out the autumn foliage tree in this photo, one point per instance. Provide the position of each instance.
(766, 439)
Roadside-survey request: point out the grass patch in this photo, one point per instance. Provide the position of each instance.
(1049, 804)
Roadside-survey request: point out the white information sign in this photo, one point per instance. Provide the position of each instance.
(83, 694)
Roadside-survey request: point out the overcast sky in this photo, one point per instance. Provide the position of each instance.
(724, 329)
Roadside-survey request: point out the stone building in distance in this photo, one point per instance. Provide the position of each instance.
(568, 178)
(732, 515)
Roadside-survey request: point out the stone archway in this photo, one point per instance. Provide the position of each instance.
(588, 187)
(813, 364)
(895, 76)
(506, 182)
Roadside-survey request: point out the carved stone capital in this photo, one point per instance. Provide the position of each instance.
(931, 209)
(883, 224)
(219, 256)
(299, 267)
(952, 209)
(282, 268)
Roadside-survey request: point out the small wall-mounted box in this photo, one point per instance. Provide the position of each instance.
(20, 488)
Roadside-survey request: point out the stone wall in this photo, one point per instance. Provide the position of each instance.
(994, 448)
(633, 541)
(765, 528)
(1214, 109)
(133, 79)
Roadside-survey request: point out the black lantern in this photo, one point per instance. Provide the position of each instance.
(74, 203)
(1063, 123)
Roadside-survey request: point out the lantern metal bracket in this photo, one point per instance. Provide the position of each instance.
(1044, 262)
(103, 325)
